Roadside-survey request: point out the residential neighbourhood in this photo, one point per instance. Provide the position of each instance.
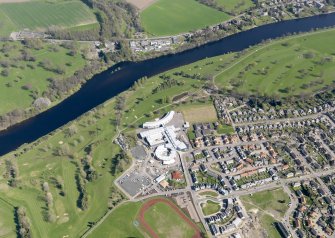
(264, 149)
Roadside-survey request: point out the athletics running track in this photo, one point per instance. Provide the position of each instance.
(152, 202)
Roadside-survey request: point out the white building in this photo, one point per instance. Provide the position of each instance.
(160, 122)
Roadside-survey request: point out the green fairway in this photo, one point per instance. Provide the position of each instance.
(166, 223)
(39, 15)
(210, 208)
(25, 80)
(235, 6)
(7, 225)
(169, 17)
(291, 67)
(120, 223)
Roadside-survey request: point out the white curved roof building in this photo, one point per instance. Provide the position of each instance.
(165, 154)
(161, 122)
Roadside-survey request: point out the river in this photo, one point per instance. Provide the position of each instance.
(107, 84)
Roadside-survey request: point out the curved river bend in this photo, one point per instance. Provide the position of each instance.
(106, 85)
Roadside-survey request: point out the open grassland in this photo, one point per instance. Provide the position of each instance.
(39, 15)
(170, 17)
(296, 66)
(120, 223)
(210, 208)
(235, 6)
(269, 206)
(165, 222)
(272, 201)
(23, 80)
(199, 113)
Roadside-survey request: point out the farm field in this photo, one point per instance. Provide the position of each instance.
(210, 208)
(22, 81)
(141, 4)
(270, 206)
(39, 15)
(235, 6)
(170, 17)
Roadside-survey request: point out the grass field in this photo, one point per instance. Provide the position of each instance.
(21, 72)
(199, 113)
(170, 17)
(122, 223)
(166, 223)
(235, 6)
(270, 206)
(225, 129)
(39, 15)
(210, 208)
(296, 66)
(209, 194)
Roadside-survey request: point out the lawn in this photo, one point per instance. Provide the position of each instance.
(39, 15)
(235, 6)
(296, 66)
(21, 73)
(170, 17)
(209, 194)
(225, 129)
(166, 223)
(122, 223)
(210, 208)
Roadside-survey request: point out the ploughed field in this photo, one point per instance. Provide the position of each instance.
(40, 15)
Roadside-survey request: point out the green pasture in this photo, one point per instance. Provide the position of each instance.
(170, 17)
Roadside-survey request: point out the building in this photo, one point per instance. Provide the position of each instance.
(161, 122)
(282, 230)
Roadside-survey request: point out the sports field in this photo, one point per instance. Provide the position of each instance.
(122, 222)
(170, 17)
(39, 15)
(199, 113)
(161, 218)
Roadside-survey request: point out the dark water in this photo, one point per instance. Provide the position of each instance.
(106, 85)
